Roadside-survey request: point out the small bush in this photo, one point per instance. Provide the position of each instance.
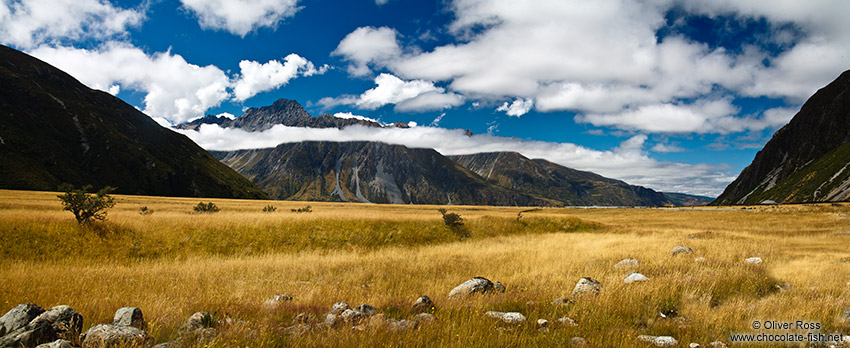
(86, 207)
(307, 209)
(206, 207)
(145, 210)
(455, 222)
(269, 209)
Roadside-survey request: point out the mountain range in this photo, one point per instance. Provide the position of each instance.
(55, 130)
(807, 160)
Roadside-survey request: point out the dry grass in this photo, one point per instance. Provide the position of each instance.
(173, 263)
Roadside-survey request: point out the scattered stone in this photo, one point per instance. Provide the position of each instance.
(784, 286)
(352, 316)
(499, 287)
(560, 301)
(366, 310)
(578, 342)
(694, 345)
(401, 325)
(699, 259)
(659, 341)
(627, 263)
(846, 314)
(477, 285)
(169, 344)
(331, 320)
(56, 344)
(60, 322)
(425, 318)
(339, 307)
(587, 285)
(198, 321)
(681, 249)
(542, 323)
(567, 321)
(543, 329)
(507, 317)
(276, 300)
(753, 260)
(717, 344)
(18, 317)
(130, 316)
(423, 304)
(108, 335)
(304, 318)
(635, 277)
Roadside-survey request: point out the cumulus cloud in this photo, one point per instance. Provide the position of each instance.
(241, 17)
(348, 115)
(664, 148)
(415, 95)
(518, 108)
(256, 77)
(368, 46)
(174, 89)
(29, 23)
(627, 162)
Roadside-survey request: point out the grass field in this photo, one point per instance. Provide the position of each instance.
(173, 263)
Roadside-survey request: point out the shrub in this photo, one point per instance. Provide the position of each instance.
(86, 207)
(206, 207)
(145, 211)
(269, 209)
(455, 222)
(307, 209)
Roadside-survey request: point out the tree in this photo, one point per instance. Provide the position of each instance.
(85, 206)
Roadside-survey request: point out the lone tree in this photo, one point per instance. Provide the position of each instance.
(85, 206)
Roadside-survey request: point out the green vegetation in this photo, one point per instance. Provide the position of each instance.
(307, 209)
(86, 207)
(206, 208)
(269, 209)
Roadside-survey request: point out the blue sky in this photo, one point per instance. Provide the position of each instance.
(674, 95)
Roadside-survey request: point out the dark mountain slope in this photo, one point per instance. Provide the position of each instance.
(53, 129)
(806, 160)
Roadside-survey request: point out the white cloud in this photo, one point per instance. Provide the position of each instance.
(407, 96)
(368, 46)
(518, 108)
(664, 148)
(241, 17)
(348, 115)
(29, 23)
(627, 162)
(256, 77)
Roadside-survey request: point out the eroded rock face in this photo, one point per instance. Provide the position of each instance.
(130, 316)
(60, 322)
(18, 317)
(587, 285)
(477, 285)
(108, 335)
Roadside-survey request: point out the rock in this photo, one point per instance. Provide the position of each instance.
(635, 278)
(276, 300)
(681, 249)
(199, 320)
(169, 344)
(339, 307)
(578, 342)
(366, 310)
(401, 325)
(18, 317)
(627, 263)
(560, 301)
(108, 335)
(304, 318)
(423, 304)
(352, 316)
(753, 260)
(130, 316)
(846, 314)
(587, 285)
(784, 286)
(332, 320)
(542, 323)
(567, 321)
(56, 344)
(699, 259)
(717, 344)
(477, 285)
(659, 341)
(543, 329)
(60, 322)
(507, 317)
(425, 318)
(694, 345)
(499, 287)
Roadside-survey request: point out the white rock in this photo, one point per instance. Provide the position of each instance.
(477, 285)
(681, 249)
(635, 277)
(507, 317)
(587, 285)
(694, 345)
(699, 259)
(659, 341)
(717, 344)
(627, 263)
(567, 321)
(542, 322)
(753, 260)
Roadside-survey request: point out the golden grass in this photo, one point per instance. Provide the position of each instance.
(173, 263)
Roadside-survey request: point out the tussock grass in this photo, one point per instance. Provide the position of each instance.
(173, 263)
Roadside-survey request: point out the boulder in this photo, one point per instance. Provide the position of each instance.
(507, 317)
(699, 259)
(60, 322)
(18, 317)
(352, 316)
(56, 344)
(425, 318)
(276, 300)
(423, 304)
(627, 263)
(366, 310)
(635, 278)
(477, 285)
(339, 307)
(753, 260)
(331, 320)
(542, 323)
(499, 287)
(567, 321)
(199, 320)
(578, 342)
(108, 335)
(659, 341)
(401, 325)
(304, 318)
(169, 344)
(694, 345)
(717, 344)
(587, 285)
(681, 249)
(130, 316)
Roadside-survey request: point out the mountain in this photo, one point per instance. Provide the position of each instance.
(368, 172)
(53, 129)
(806, 160)
(283, 111)
(686, 200)
(542, 178)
